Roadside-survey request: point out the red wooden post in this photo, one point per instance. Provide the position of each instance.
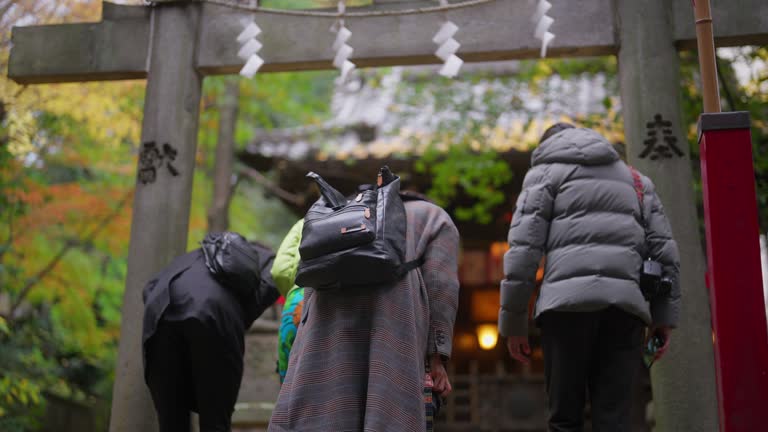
(740, 334)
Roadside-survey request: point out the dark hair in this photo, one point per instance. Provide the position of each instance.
(557, 127)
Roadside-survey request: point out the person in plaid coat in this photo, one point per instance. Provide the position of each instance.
(358, 361)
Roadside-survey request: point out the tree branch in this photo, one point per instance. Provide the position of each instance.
(223, 166)
(16, 179)
(21, 90)
(7, 245)
(291, 198)
(4, 9)
(68, 245)
(724, 82)
(233, 189)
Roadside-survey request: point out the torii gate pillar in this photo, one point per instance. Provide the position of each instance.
(684, 388)
(163, 194)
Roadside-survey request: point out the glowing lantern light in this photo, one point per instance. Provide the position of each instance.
(487, 336)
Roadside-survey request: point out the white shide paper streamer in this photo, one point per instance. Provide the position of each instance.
(447, 48)
(342, 50)
(249, 49)
(543, 22)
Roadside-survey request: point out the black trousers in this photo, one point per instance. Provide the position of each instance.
(190, 367)
(599, 352)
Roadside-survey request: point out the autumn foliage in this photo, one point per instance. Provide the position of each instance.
(67, 156)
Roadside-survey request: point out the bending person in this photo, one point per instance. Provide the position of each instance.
(194, 329)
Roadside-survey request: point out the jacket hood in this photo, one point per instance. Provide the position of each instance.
(234, 261)
(575, 146)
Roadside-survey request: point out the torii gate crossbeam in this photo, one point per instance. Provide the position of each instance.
(118, 47)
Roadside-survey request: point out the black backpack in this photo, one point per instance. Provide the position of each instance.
(354, 242)
(241, 267)
(233, 262)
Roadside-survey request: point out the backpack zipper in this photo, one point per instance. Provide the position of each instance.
(361, 208)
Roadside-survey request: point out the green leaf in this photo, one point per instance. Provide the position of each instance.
(4, 327)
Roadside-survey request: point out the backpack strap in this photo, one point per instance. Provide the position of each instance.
(410, 265)
(638, 183)
(407, 196)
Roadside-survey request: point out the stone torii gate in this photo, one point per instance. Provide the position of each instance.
(174, 44)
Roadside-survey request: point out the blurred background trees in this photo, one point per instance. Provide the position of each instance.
(68, 162)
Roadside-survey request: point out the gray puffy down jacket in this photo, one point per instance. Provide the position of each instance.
(579, 208)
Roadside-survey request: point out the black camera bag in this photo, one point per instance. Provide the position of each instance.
(652, 285)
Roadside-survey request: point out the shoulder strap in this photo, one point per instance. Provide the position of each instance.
(638, 182)
(406, 196)
(410, 265)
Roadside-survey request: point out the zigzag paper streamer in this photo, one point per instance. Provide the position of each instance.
(543, 23)
(446, 50)
(249, 49)
(342, 50)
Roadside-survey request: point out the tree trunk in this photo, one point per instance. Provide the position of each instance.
(223, 172)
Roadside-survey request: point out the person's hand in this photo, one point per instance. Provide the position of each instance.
(439, 376)
(519, 348)
(664, 332)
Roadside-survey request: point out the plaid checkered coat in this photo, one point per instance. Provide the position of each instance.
(358, 360)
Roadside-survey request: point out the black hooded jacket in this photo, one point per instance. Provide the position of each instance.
(185, 289)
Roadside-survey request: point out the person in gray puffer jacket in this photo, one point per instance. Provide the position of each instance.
(581, 211)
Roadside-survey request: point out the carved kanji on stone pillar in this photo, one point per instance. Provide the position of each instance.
(152, 157)
(661, 142)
